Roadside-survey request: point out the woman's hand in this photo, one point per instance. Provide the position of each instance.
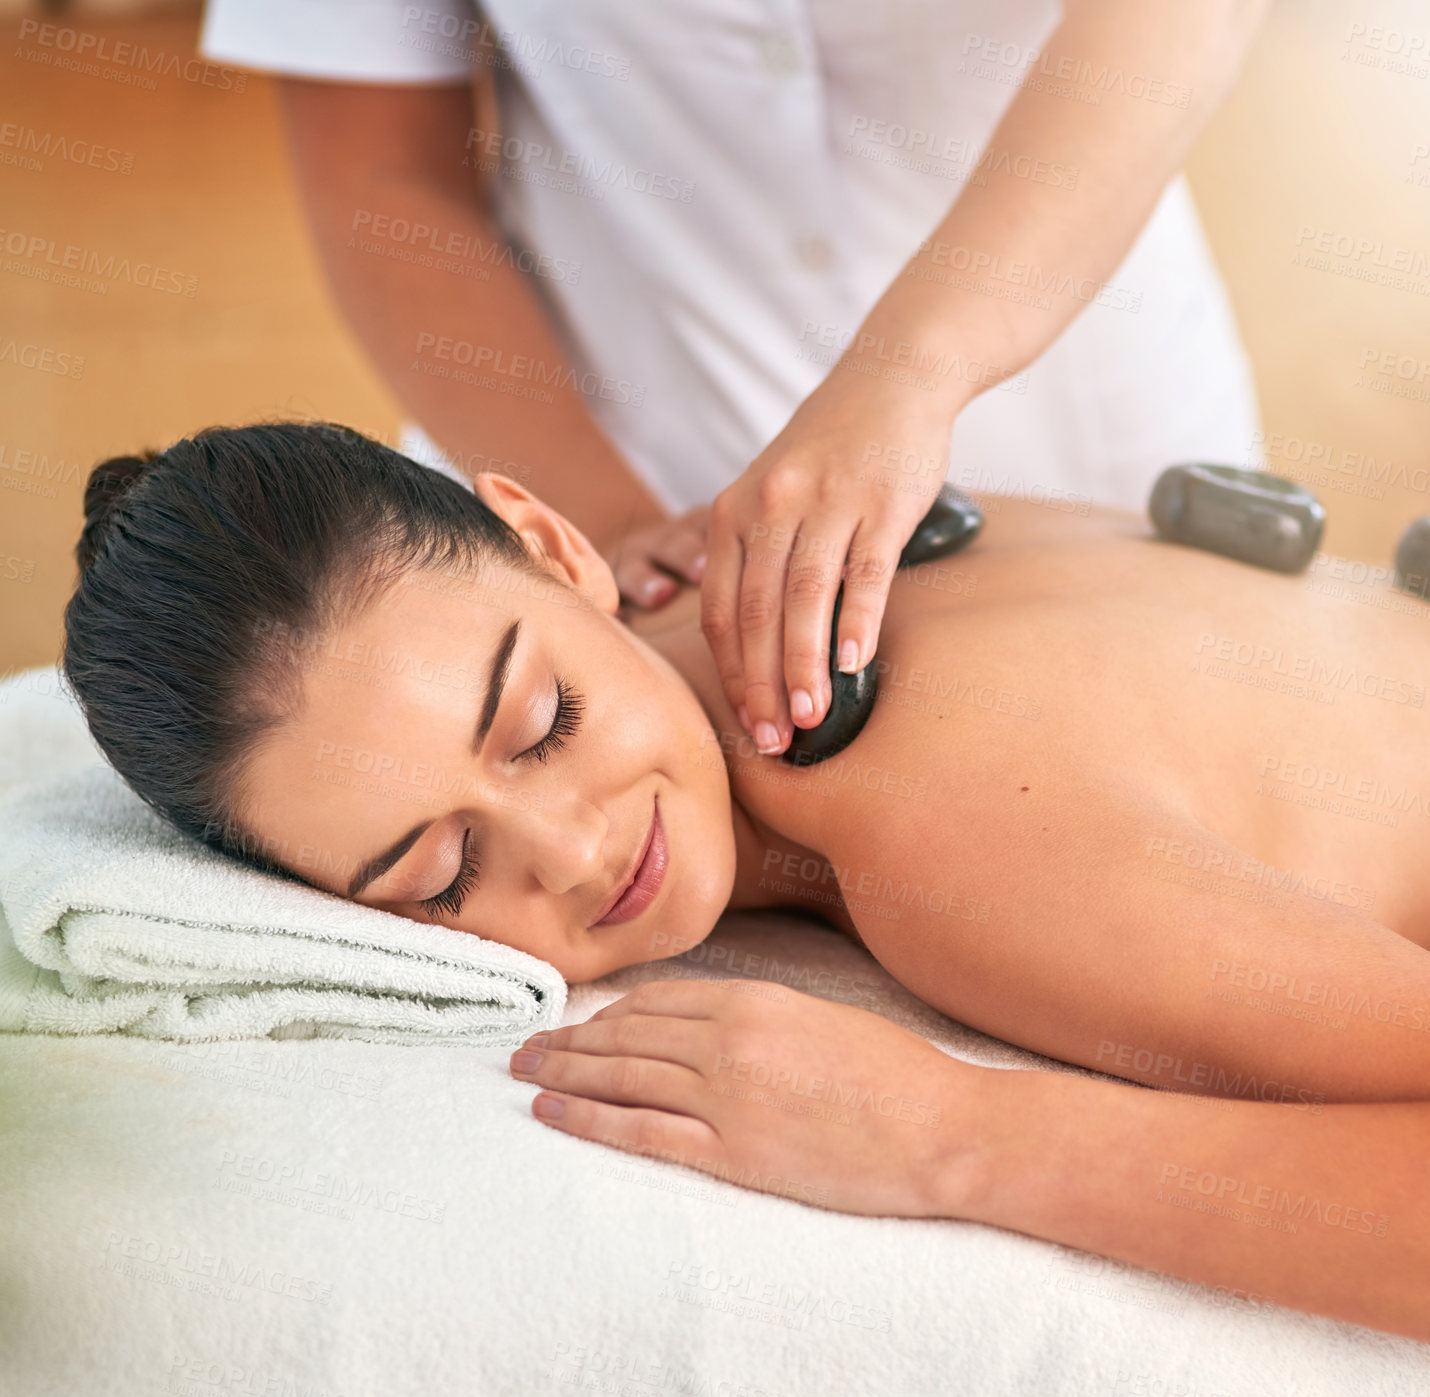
(767, 1087)
(849, 478)
(676, 545)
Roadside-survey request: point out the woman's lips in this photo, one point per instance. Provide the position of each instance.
(649, 876)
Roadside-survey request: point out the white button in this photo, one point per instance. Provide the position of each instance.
(815, 253)
(780, 52)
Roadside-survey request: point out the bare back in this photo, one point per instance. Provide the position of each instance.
(1112, 785)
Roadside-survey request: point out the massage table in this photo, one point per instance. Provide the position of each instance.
(335, 1218)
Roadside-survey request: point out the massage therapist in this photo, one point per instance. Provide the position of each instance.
(803, 259)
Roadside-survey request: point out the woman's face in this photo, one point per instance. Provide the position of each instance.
(526, 720)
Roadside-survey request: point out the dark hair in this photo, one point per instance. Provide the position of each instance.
(203, 567)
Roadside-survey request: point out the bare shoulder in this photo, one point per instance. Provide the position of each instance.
(1094, 919)
(1010, 522)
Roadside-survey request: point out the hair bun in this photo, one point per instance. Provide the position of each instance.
(108, 483)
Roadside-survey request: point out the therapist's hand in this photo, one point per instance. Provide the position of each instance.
(760, 1084)
(837, 494)
(653, 562)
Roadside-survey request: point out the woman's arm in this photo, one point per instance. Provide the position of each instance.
(821, 1102)
(1327, 1212)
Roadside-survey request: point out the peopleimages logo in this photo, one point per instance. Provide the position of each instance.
(42, 358)
(133, 64)
(1064, 74)
(1027, 277)
(428, 28)
(490, 359)
(42, 253)
(1267, 1201)
(459, 245)
(1341, 999)
(1399, 259)
(526, 160)
(31, 148)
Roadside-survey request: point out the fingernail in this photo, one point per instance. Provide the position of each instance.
(539, 1040)
(655, 586)
(525, 1061)
(800, 704)
(549, 1107)
(849, 657)
(697, 568)
(744, 718)
(767, 737)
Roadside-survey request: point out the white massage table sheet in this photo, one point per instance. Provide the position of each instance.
(322, 1218)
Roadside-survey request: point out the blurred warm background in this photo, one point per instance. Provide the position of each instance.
(1319, 133)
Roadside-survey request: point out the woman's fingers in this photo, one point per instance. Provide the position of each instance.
(633, 1080)
(686, 999)
(622, 1081)
(829, 1103)
(686, 1041)
(675, 1138)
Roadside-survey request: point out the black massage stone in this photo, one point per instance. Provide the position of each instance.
(953, 522)
(1249, 515)
(1412, 559)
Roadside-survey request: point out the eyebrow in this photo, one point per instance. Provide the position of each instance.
(374, 868)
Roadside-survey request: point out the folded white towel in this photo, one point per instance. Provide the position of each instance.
(117, 923)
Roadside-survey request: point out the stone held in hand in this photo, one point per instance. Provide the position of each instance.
(951, 524)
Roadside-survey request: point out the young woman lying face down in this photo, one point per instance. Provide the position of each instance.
(1078, 819)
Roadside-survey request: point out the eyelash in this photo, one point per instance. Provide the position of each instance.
(569, 707)
(450, 899)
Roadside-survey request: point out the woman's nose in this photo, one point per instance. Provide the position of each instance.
(565, 840)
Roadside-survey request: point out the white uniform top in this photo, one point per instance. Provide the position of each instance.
(710, 195)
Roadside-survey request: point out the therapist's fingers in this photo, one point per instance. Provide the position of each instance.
(873, 558)
(640, 583)
(651, 563)
(720, 600)
(814, 571)
(680, 546)
(762, 629)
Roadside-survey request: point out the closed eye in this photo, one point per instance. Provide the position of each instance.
(569, 707)
(451, 897)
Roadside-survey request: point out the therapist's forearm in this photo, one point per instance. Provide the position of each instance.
(1056, 245)
(395, 306)
(1322, 1212)
(401, 312)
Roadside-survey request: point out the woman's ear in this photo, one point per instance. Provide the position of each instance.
(551, 537)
